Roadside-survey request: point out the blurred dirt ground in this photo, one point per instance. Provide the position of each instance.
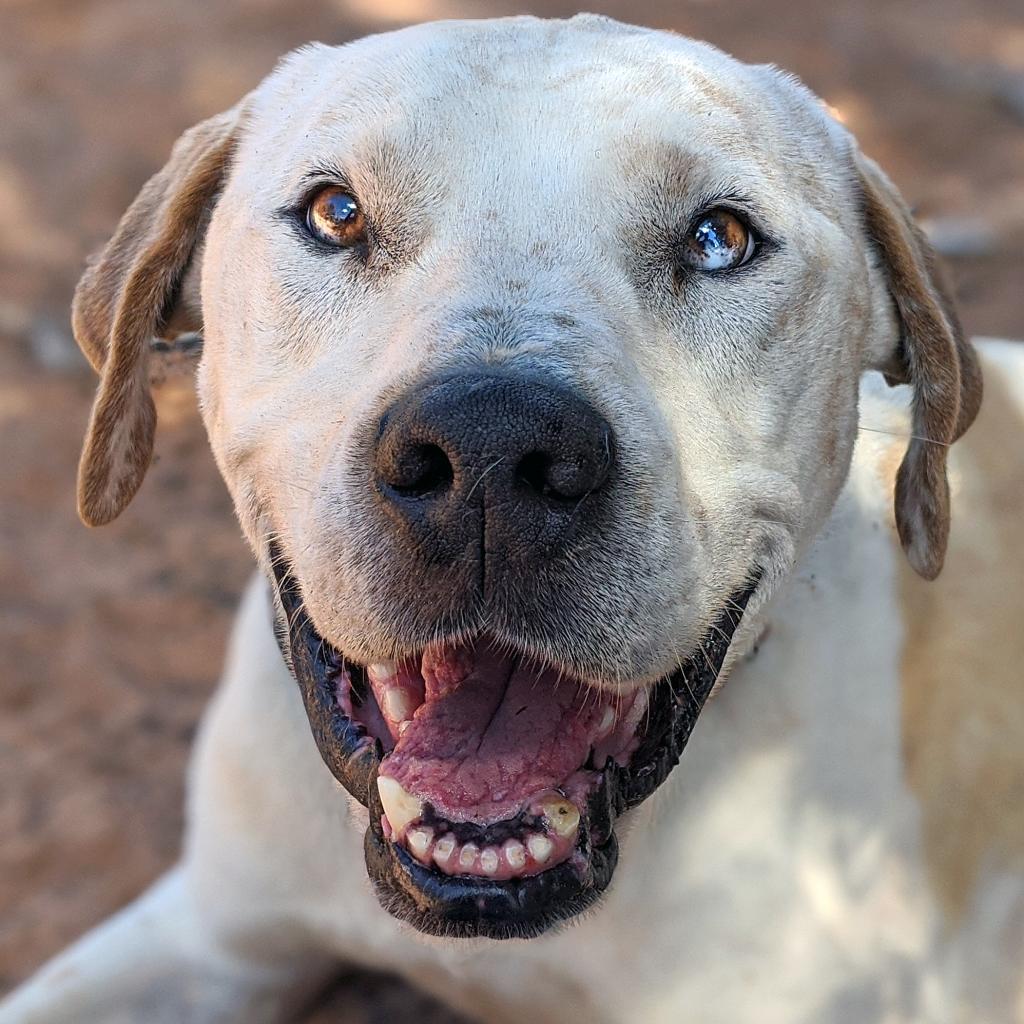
(112, 640)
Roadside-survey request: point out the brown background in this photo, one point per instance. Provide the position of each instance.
(110, 641)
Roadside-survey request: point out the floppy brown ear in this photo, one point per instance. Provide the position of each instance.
(127, 296)
(933, 357)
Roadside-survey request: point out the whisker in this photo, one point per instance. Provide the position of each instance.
(498, 460)
(292, 483)
(721, 632)
(710, 664)
(693, 696)
(905, 437)
(300, 609)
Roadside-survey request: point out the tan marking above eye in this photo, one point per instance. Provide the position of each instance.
(334, 217)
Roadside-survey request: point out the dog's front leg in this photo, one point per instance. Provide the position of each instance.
(157, 961)
(261, 910)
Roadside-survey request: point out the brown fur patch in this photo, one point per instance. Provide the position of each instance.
(934, 358)
(962, 674)
(120, 304)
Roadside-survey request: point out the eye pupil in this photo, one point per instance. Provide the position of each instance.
(334, 216)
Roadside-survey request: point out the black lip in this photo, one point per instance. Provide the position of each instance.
(458, 906)
(465, 907)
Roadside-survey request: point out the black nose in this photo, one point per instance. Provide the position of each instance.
(516, 454)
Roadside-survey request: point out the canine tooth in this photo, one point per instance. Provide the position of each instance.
(540, 848)
(467, 855)
(515, 854)
(397, 704)
(607, 722)
(402, 726)
(561, 815)
(444, 848)
(419, 840)
(383, 670)
(489, 861)
(400, 806)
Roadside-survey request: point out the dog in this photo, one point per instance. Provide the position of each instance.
(560, 371)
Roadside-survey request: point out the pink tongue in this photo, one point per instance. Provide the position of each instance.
(493, 732)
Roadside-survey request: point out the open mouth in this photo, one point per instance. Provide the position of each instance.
(493, 782)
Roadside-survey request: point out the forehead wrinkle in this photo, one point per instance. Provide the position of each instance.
(396, 186)
(398, 164)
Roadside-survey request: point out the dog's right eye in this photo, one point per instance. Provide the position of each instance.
(333, 216)
(718, 240)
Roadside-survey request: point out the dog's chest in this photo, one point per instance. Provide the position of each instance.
(785, 840)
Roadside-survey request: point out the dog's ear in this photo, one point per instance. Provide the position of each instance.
(932, 356)
(143, 283)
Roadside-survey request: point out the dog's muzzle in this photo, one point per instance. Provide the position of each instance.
(493, 780)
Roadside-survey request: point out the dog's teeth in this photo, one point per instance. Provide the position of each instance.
(489, 861)
(419, 840)
(383, 670)
(515, 854)
(402, 726)
(540, 848)
(607, 723)
(397, 704)
(400, 806)
(467, 855)
(561, 815)
(443, 849)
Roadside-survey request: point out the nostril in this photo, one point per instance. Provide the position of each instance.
(422, 470)
(509, 445)
(563, 479)
(567, 471)
(532, 471)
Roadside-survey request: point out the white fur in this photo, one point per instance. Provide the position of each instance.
(777, 876)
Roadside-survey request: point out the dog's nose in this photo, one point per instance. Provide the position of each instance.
(523, 451)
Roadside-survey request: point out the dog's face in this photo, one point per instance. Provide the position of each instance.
(531, 360)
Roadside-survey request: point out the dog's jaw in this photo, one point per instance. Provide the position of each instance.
(494, 897)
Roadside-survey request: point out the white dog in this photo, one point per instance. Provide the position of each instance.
(533, 357)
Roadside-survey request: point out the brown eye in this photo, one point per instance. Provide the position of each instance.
(718, 240)
(334, 217)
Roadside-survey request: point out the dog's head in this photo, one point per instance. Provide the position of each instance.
(531, 362)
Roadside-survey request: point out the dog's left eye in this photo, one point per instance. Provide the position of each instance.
(718, 240)
(333, 216)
